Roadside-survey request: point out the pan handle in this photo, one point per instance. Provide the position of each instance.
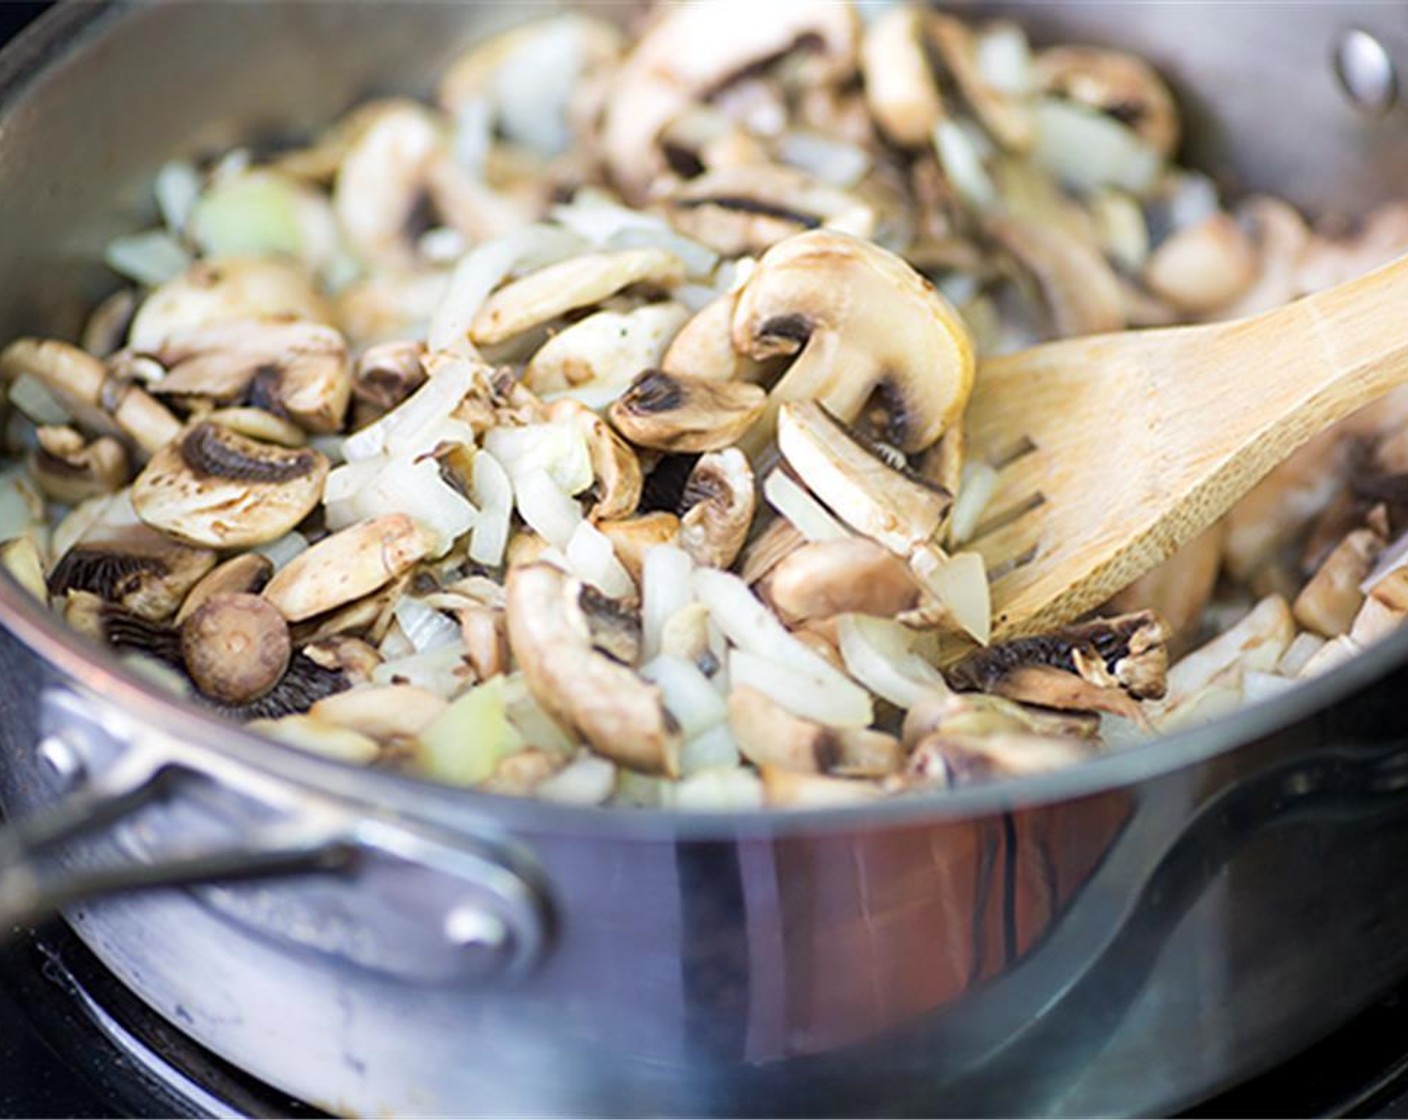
(298, 865)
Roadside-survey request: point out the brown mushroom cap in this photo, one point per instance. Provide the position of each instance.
(718, 504)
(70, 469)
(827, 578)
(235, 647)
(670, 413)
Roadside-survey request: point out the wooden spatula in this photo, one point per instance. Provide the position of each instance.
(1116, 449)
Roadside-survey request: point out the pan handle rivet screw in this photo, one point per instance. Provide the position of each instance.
(473, 928)
(61, 758)
(1365, 71)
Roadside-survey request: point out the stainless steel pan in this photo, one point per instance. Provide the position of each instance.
(1124, 937)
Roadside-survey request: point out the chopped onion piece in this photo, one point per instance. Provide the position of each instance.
(493, 492)
(714, 749)
(394, 643)
(21, 508)
(748, 624)
(537, 727)
(32, 397)
(795, 502)
(150, 258)
(442, 245)
(1004, 59)
(643, 791)
(535, 83)
(425, 627)
(177, 186)
(482, 270)
(1213, 701)
(832, 161)
(665, 590)
(430, 404)
(596, 395)
(1391, 559)
(444, 671)
(687, 693)
(960, 582)
(591, 557)
(1263, 686)
(549, 512)
(281, 550)
(800, 693)
(587, 780)
(470, 737)
(975, 490)
(411, 486)
(1087, 149)
(698, 259)
(1303, 647)
(963, 164)
(716, 790)
(877, 653)
(560, 449)
(473, 136)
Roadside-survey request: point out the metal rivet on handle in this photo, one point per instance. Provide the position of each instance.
(471, 927)
(1366, 72)
(62, 759)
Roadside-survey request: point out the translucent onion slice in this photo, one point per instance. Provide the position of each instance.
(687, 693)
(716, 790)
(592, 558)
(31, 396)
(445, 671)
(426, 628)
(151, 258)
(413, 487)
(665, 590)
(493, 493)
(877, 653)
(587, 780)
(795, 502)
(975, 491)
(531, 719)
(430, 404)
(559, 449)
(714, 749)
(960, 582)
(1004, 59)
(469, 738)
(283, 549)
(800, 693)
(177, 186)
(963, 164)
(832, 161)
(1087, 149)
(1391, 559)
(549, 512)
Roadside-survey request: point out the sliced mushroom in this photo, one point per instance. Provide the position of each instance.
(388, 373)
(580, 281)
(897, 508)
(827, 578)
(1203, 267)
(792, 789)
(1329, 603)
(130, 564)
(213, 487)
(780, 539)
(1121, 85)
(717, 505)
(863, 325)
(392, 714)
(245, 574)
(352, 657)
(695, 49)
(1079, 291)
(606, 348)
(1127, 652)
(980, 713)
(21, 558)
(746, 209)
(1280, 236)
(633, 537)
(347, 565)
(618, 713)
(235, 647)
(770, 736)
(1384, 609)
(231, 288)
(317, 736)
(1006, 117)
(83, 385)
(382, 181)
(1256, 642)
(69, 469)
(671, 413)
(106, 326)
(703, 348)
(900, 87)
(964, 760)
(485, 641)
(615, 466)
(294, 370)
(615, 629)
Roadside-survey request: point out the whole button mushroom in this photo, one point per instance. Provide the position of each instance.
(235, 647)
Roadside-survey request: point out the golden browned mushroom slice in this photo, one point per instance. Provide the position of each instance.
(769, 735)
(717, 506)
(693, 50)
(827, 578)
(633, 537)
(897, 508)
(746, 209)
(1007, 117)
(392, 714)
(83, 386)
(295, 370)
(900, 87)
(615, 465)
(980, 713)
(1328, 603)
(580, 281)
(388, 373)
(213, 487)
(670, 413)
(863, 325)
(1078, 290)
(70, 469)
(125, 562)
(1120, 85)
(703, 348)
(231, 288)
(618, 713)
(246, 573)
(1101, 665)
(347, 565)
(235, 647)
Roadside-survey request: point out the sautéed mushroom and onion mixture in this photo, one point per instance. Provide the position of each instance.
(593, 430)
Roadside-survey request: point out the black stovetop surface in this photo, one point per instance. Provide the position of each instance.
(74, 1042)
